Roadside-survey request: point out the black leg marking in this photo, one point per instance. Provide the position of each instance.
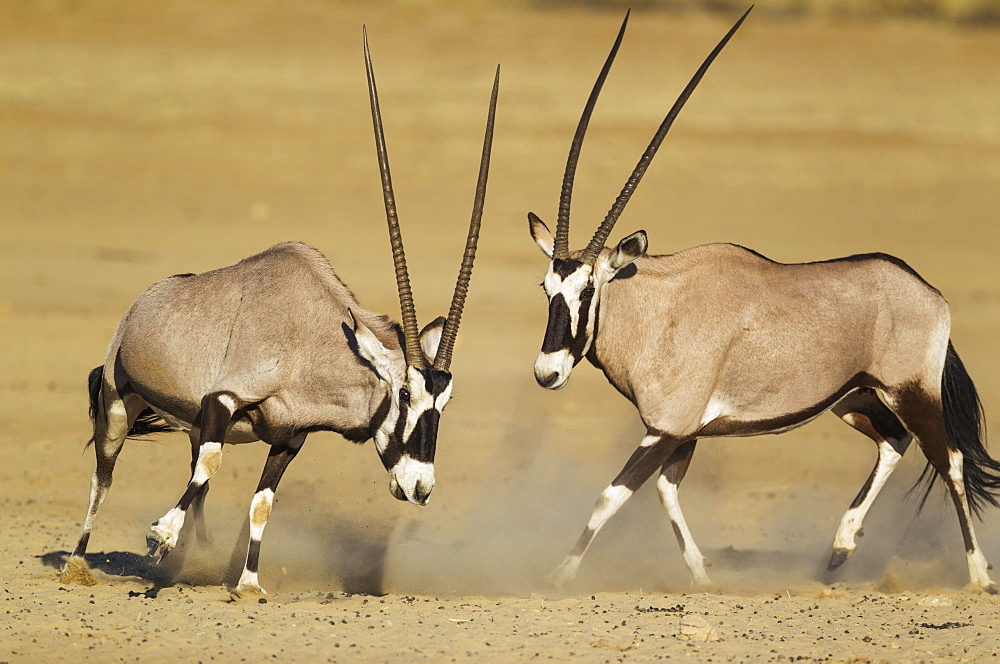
(217, 410)
(650, 455)
(113, 416)
(863, 411)
(260, 510)
(923, 416)
(667, 485)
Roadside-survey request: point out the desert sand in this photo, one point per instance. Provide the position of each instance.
(141, 140)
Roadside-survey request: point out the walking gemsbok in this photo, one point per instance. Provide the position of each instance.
(720, 341)
(271, 349)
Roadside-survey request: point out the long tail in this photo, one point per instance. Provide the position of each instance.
(147, 423)
(965, 426)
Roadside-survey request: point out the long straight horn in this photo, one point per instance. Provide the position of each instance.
(601, 236)
(414, 356)
(561, 248)
(442, 361)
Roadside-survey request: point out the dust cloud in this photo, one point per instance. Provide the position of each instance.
(762, 510)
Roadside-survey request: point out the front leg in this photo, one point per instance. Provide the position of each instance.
(673, 471)
(650, 455)
(197, 507)
(217, 411)
(260, 510)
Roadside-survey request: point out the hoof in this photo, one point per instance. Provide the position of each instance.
(76, 571)
(838, 557)
(247, 591)
(702, 583)
(158, 548)
(991, 589)
(558, 578)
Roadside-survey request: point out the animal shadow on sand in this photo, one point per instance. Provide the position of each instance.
(358, 567)
(121, 564)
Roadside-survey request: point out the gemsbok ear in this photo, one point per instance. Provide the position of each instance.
(430, 338)
(629, 249)
(368, 346)
(541, 234)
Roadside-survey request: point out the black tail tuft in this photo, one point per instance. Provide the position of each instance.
(94, 382)
(965, 426)
(147, 423)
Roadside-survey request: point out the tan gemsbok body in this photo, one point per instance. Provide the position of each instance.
(719, 341)
(270, 349)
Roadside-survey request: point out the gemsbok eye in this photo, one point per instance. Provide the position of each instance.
(588, 292)
(404, 395)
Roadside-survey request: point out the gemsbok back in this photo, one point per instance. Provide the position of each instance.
(718, 340)
(271, 349)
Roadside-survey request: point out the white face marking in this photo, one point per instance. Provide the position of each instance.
(408, 474)
(570, 288)
(442, 399)
(420, 400)
(559, 363)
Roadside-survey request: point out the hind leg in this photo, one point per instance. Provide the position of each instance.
(865, 412)
(112, 421)
(671, 474)
(922, 414)
(217, 411)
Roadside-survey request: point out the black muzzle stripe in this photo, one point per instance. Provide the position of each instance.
(557, 332)
(423, 440)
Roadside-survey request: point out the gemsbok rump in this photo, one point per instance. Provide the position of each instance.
(271, 349)
(718, 340)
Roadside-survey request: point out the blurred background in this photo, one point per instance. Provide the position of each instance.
(141, 140)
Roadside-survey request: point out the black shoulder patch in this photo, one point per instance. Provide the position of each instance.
(626, 272)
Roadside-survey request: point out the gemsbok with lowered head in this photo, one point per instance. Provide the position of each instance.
(271, 349)
(718, 340)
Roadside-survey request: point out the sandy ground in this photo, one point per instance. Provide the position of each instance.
(140, 142)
